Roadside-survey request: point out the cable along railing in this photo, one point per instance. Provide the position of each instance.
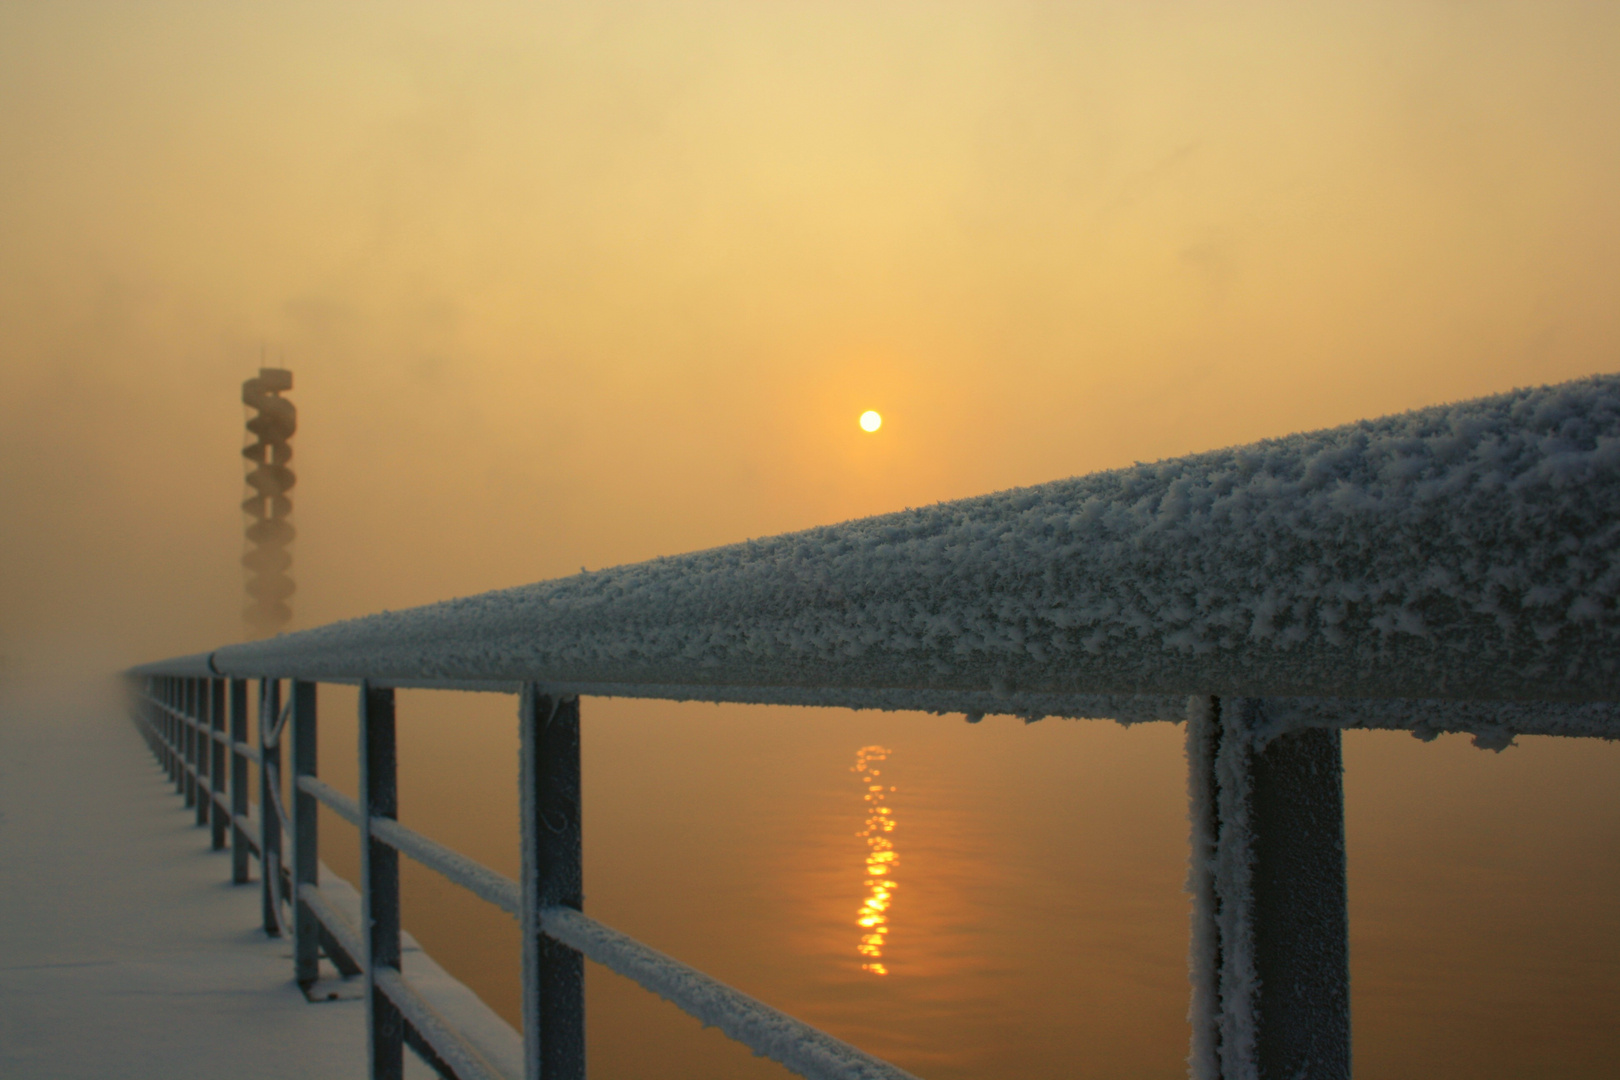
(1455, 568)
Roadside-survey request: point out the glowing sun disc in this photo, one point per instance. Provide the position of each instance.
(870, 420)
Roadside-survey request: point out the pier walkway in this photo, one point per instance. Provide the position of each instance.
(124, 950)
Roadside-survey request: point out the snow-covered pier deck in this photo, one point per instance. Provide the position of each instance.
(125, 950)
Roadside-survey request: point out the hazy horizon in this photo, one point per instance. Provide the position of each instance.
(584, 285)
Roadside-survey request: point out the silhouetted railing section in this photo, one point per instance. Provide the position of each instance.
(1450, 569)
(183, 718)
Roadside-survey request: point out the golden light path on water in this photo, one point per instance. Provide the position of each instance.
(881, 859)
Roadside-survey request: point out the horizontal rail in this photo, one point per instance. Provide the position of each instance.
(761, 1028)
(488, 686)
(247, 750)
(438, 1033)
(345, 807)
(1493, 720)
(764, 1030)
(1325, 564)
(195, 666)
(333, 920)
(476, 878)
(450, 1048)
(179, 714)
(471, 875)
(247, 827)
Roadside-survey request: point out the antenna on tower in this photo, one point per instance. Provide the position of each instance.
(267, 506)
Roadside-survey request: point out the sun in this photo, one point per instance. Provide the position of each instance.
(870, 420)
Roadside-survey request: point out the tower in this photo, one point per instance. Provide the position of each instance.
(267, 506)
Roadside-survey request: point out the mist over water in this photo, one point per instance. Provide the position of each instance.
(569, 286)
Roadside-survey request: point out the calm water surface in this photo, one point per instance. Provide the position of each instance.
(1005, 899)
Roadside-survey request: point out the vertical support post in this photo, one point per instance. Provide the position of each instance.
(171, 698)
(1204, 953)
(1270, 959)
(143, 710)
(217, 762)
(139, 691)
(182, 731)
(163, 725)
(155, 714)
(177, 771)
(306, 856)
(159, 689)
(188, 740)
(379, 879)
(1301, 906)
(194, 775)
(203, 722)
(553, 974)
(194, 710)
(239, 782)
(269, 821)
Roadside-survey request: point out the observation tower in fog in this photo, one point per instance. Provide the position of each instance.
(269, 533)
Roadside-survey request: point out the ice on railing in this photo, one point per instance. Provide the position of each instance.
(1467, 552)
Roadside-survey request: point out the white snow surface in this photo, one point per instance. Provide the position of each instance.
(124, 950)
(1465, 557)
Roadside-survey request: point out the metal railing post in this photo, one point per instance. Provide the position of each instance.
(306, 855)
(553, 974)
(154, 714)
(141, 712)
(269, 821)
(202, 743)
(238, 781)
(183, 740)
(172, 731)
(1270, 951)
(177, 757)
(379, 880)
(170, 760)
(188, 740)
(217, 759)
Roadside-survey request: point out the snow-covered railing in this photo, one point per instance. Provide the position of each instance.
(1451, 569)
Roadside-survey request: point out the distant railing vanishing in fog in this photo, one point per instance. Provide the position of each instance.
(1451, 569)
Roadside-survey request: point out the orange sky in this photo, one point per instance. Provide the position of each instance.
(580, 284)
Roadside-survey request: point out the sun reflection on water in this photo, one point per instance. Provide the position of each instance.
(881, 859)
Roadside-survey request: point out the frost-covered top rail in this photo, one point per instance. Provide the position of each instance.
(1467, 552)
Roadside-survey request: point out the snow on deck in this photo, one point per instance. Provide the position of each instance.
(124, 950)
